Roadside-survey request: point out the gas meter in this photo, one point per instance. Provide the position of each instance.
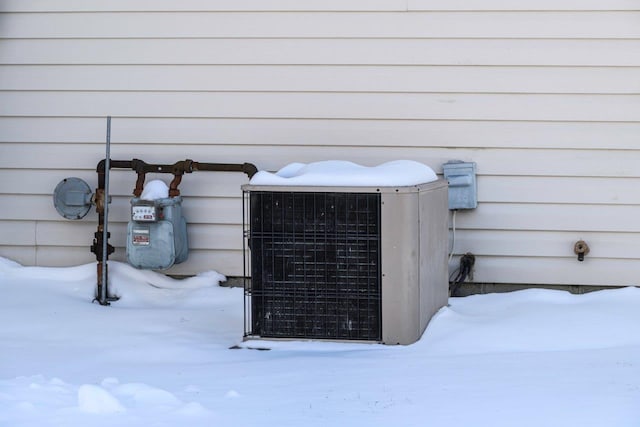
(157, 233)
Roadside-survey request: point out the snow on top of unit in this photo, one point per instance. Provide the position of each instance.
(154, 190)
(343, 174)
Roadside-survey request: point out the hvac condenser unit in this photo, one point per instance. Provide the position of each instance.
(337, 263)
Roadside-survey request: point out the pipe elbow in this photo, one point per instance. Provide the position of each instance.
(100, 167)
(250, 169)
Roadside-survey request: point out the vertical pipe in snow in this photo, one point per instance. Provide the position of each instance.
(105, 233)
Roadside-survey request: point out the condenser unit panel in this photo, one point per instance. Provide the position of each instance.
(345, 263)
(315, 260)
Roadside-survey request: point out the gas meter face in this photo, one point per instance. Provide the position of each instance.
(143, 213)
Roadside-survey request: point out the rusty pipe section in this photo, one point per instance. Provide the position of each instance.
(177, 169)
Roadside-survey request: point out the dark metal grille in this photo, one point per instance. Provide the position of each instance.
(315, 265)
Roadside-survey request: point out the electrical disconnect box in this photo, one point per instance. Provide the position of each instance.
(463, 187)
(157, 233)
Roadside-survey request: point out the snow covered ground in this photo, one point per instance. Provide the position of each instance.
(161, 357)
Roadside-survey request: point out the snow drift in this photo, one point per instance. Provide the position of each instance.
(161, 356)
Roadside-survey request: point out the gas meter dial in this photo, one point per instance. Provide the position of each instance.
(144, 213)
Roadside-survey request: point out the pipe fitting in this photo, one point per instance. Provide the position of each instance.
(581, 249)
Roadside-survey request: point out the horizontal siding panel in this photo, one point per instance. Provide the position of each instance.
(121, 182)
(488, 269)
(503, 162)
(24, 255)
(370, 133)
(18, 233)
(200, 5)
(541, 217)
(216, 237)
(54, 129)
(490, 216)
(525, 6)
(496, 189)
(576, 190)
(75, 233)
(40, 208)
(198, 210)
(70, 256)
(309, 5)
(44, 181)
(324, 105)
(226, 262)
(409, 79)
(85, 157)
(323, 25)
(557, 271)
(515, 243)
(509, 243)
(465, 52)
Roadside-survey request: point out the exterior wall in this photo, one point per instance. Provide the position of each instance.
(543, 95)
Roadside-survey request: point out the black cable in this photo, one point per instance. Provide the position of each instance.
(466, 265)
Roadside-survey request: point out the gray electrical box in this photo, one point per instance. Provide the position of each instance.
(72, 198)
(157, 233)
(463, 187)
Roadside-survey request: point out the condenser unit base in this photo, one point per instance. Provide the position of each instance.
(334, 263)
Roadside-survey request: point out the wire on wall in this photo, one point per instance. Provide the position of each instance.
(453, 242)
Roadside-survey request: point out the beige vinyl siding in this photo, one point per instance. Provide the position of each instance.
(327, 78)
(543, 95)
(546, 25)
(310, 5)
(201, 5)
(294, 52)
